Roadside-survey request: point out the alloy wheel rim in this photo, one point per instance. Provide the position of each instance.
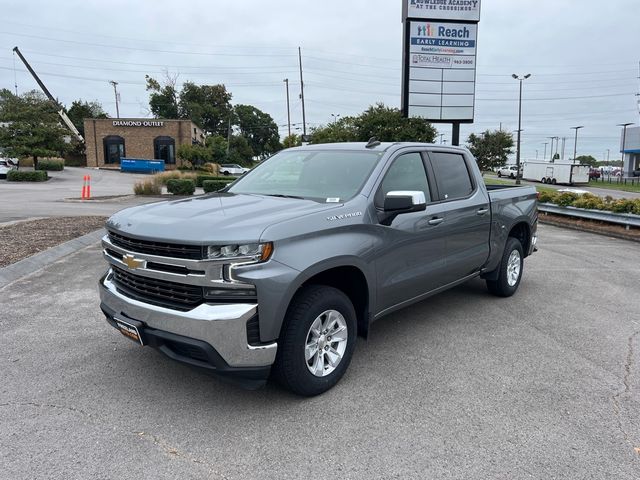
(326, 343)
(513, 268)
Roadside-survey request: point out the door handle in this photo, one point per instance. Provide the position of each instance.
(482, 211)
(436, 221)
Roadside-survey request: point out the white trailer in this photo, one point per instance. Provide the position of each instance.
(547, 172)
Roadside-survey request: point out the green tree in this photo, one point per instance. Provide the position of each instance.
(240, 151)
(259, 129)
(214, 150)
(587, 160)
(80, 110)
(31, 126)
(491, 148)
(163, 99)
(292, 140)
(208, 106)
(387, 124)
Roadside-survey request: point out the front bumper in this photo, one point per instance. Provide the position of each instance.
(222, 327)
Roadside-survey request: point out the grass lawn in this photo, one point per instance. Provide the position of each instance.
(618, 186)
(497, 181)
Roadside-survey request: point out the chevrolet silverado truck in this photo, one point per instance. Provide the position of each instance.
(278, 273)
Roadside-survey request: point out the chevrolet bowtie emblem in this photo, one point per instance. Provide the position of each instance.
(133, 262)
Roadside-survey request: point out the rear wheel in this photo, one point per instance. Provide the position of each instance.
(509, 270)
(553, 181)
(543, 180)
(499, 174)
(317, 340)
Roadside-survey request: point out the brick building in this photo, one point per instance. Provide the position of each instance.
(109, 140)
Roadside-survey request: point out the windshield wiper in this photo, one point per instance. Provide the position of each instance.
(280, 195)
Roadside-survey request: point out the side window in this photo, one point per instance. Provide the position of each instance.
(452, 175)
(407, 173)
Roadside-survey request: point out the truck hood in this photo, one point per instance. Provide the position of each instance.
(216, 218)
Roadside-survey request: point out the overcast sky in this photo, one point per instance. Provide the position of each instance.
(583, 56)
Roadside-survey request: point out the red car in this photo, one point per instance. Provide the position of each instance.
(594, 173)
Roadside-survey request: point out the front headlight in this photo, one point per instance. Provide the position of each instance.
(252, 252)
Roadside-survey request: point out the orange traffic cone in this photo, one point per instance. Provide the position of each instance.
(84, 187)
(88, 187)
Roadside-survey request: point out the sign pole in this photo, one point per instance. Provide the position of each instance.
(455, 134)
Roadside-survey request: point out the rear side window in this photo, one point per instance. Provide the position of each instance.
(452, 176)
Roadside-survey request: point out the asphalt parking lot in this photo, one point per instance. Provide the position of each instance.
(462, 386)
(60, 195)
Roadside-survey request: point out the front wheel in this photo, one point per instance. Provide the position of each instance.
(509, 270)
(317, 341)
(499, 175)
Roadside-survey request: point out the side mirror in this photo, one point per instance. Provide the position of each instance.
(396, 203)
(405, 202)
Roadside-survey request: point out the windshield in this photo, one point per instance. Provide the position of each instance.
(325, 176)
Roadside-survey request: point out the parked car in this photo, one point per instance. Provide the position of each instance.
(6, 165)
(282, 270)
(233, 169)
(636, 173)
(594, 173)
(508, 171)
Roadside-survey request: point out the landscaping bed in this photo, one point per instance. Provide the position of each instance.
(22, 239)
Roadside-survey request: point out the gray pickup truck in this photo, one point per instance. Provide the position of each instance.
(279, 272)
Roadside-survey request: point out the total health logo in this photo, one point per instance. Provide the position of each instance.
(426, 30)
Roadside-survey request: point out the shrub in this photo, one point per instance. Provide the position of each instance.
(213, 185)
(636, 206)
(147, 187)
(547, 197)
(565, 199)
(51, 165)
(200, 179)
(622, 205)
(164, 177)
(182, 186)
(22, 176)
(590, 201)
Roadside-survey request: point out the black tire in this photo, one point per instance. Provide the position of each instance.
(499, 175)
(290, 368)
(226, 174)
(501, 286)
(512, 175)
(543, 180)
(553, 181)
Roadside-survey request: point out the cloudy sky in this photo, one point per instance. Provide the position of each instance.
(583, 56)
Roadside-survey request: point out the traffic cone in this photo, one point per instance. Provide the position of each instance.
(88, 187)
(84, 187)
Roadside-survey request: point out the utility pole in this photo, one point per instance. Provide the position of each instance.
(536, 154)
(228, 136)
(441, 135)
(286, 81)
(544, 157)
(304, 118)
(564, 140)
(575, 142)
(520, 79)
(115, 92)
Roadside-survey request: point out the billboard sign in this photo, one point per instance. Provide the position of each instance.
(460, 10)
(440, 70)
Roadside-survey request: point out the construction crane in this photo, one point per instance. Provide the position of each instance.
(67, 121)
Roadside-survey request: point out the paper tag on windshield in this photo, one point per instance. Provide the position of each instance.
(333, 200)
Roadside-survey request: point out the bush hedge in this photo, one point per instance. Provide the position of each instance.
(592, 202)
(213, 185)
(183, 186)
(147, 187)
(200, 179)
(22, 176)
(51, 165)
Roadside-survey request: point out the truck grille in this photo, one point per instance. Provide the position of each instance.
(157, 292)
(193, 252)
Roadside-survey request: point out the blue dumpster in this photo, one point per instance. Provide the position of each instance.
(140, 165)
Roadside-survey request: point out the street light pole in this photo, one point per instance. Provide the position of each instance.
(624, 143)
(115, 91)
(335, 117)
(520, 79)
(441, 135)
(575, 142)
(544, 157)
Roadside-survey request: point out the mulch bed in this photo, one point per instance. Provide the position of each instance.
(618, 231)
(23, 239)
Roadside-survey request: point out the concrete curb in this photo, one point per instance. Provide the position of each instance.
(32, 264)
